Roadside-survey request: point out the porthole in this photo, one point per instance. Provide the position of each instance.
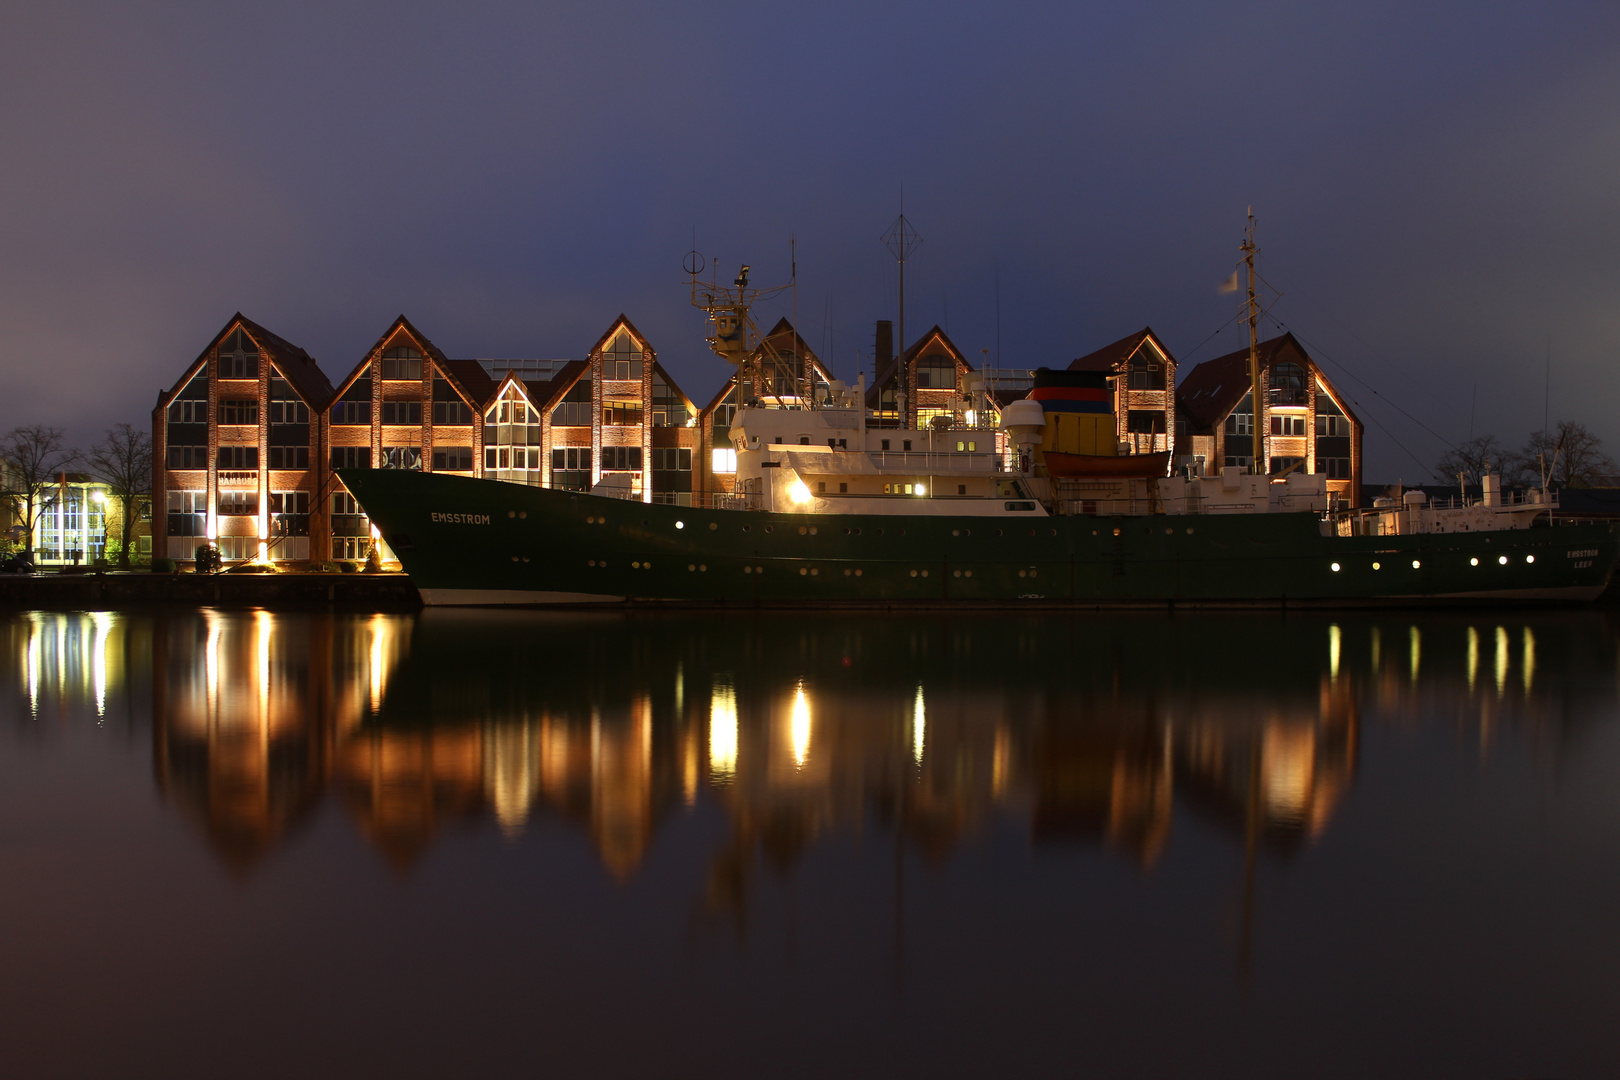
(857, 573)
(1377, 566)
(759, 569)
(857, 530)
(1023, 573)
(1529, 558)
(900, 532)
(815, 571)
(645, 523)
(1032, 572)
(635, 566)
(812, 530)
(1051, 532)
(511, 513)
(1116, 530)
(1001, 533)
(703, 568)
(525, 558)
(514, 558)
(803, 530)
(803, 571)
(1032, 532)
(522, 514)
(691, 566)
(846, 531)
(956, 532)
(956, 573)
(770, 528)
(1500, 558)
(746, 528)
(967, 573)
(1417, 564)
(748, 569)
(591, 562)
(646, 566)
(880, 532)
(847, 573)
(1335, 568)
(967, 532)
(590, 520)
(680, 524)
(1473, 562)
(1169, 532)
(716, 525)
(1189, 531)
(925, 573)
(914, 573)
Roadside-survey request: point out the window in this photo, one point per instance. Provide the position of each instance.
(1331, 426)
(1288, 385)
(575, 409)
(402, 413)
(351, 457)
(1242, 461)
(571, 467)
(355, 405)
(448, 408)
(1145, 422)
(289, 457)
(238, 356)
(723, 460)
(621, 413)
(351, 530)
(289, 511)
(621, 458)
(927, 418)
(1282, 466)
(885, 444)
(672, 459)
(669, 408)
(238, 457)
(1334, 468)
(968, 447)
(401, 457)
(187, 513)
(1288, 424)
(238, 411)
(1146, 368)
(288, 412)
(190, 412)
(452, 459)
(187, 457)
(238, 503)
(936, 373)
(1241, 419)
(402, 362)
(144, 544)
(621, 359)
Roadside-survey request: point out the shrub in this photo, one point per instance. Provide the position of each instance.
(349, 567)
(162, 566)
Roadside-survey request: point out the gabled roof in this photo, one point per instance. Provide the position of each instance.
(1216, 387)
(622, 322)
(295, 365)
(470, 378)
(401, 323)
(544, 395)
(1112, 357)
(895, 366)
(660, 372)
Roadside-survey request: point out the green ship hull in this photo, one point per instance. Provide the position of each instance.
(467, 541)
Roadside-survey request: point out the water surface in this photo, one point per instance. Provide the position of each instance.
(253, 844)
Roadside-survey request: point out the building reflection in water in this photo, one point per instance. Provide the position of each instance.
(1078, 732)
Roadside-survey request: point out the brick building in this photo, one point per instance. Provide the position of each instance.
(1306, 424)
(1143, 376)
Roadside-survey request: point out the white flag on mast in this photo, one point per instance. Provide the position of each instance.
(1230, 285)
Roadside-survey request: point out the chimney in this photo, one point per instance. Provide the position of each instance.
(883, 347)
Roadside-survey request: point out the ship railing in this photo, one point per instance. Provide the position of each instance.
(936, 461)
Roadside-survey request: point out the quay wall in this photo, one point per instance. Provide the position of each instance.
(78, 592)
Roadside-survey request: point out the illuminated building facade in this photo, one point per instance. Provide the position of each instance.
(1306, 424)
(236, 449)
(1142, 374)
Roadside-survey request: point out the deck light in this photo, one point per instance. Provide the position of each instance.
(1335, 568)
(799, 492)
(1416, 564)
(1529, 558)
(680, 524)
(1502, 559)
(921, 490)
(1377, 566)
(1473, 562)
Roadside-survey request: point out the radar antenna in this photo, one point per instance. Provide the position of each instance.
(737, 339)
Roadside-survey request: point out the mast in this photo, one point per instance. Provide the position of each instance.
(1258, 467)
(901, 240)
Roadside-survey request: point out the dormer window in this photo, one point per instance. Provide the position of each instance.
(621, 359)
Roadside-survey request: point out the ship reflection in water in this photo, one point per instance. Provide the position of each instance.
(1159, 838)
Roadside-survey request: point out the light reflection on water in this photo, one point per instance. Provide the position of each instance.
(789, 745)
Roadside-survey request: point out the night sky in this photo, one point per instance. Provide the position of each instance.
(1436, 187)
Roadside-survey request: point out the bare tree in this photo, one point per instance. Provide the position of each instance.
(1472, 460)
(33, 455)
(1571, 455)
(123, 461)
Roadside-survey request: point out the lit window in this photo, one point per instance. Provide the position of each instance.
(723, 460)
